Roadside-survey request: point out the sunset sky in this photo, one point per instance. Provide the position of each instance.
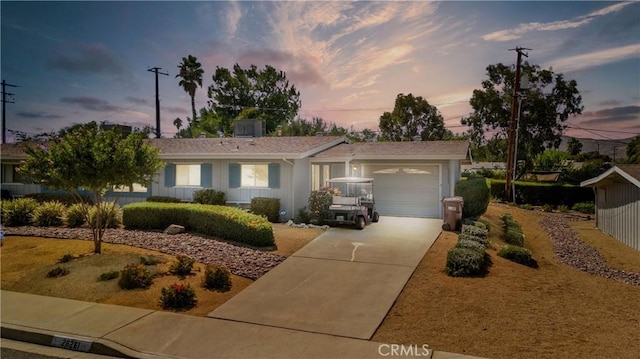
(87, 61)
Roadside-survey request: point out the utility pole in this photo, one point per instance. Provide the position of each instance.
(4, 111)
(615, 148)
(156, 70)
(512, 125)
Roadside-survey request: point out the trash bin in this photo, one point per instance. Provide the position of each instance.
(452, 213)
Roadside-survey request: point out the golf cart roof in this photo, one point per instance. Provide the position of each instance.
(350, 180)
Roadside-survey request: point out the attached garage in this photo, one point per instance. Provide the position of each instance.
(410, 178)
(411, 190)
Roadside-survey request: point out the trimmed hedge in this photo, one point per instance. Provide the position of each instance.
(471, 244)
(512, 231)
(163, 199)
(585, 207)
(538, 194)
(267, 207)
(66, 198)
(220, 221)
(475, 231)
(517, 254)
(483, 241)
(210, 196)
(463, 262)
(476, 195)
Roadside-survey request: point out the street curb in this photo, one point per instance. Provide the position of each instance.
(99, 346)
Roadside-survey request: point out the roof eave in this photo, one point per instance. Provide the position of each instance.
(594, 181)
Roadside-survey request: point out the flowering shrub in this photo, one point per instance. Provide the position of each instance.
(319, 202)
(182, 266)
(135, 275)
(178, 296)
(217, 278)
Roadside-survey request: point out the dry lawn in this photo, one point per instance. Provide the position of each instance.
(554, 311)
(25, 261)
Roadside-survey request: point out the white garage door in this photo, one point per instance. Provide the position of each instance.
(405, 189)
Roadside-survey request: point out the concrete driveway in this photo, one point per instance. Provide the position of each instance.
(342, 283)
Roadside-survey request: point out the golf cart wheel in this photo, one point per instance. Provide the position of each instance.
(375, 217)
(360, 222)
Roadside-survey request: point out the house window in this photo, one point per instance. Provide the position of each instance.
(135, 188)
(254, 175)
(188, 175)
(10, 174)
(319, 175)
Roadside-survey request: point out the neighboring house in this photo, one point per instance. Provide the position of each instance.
(410, 178)
(476, 166)
(617, 194)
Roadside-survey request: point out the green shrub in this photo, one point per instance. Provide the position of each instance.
(178, 296)
(210, 196)
(57, 272)
(517, 254)
(66, 198)
(547, 208)
(487, 224)
(476, 195)
(563, 209)
(267, 207)
(481, 240)
(49, 214)
(163, 199)
(537, 194)
(319, 203)
(475, 231)
(75, 216)
(151, 260)
(585, 207)
(18, 212)
(217, 278)
(111, 212)
(475, 245)
(462, 262)
(514, 237)
(526, 206)
(182, 266)
(108, 276)
(303, 216)
(135, 275)
(220, 221)
(66, 258)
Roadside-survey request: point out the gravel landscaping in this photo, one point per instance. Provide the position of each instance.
(241, 261)
(571, 250)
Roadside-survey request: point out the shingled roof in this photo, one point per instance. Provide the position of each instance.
(418, 150)
(616, 174)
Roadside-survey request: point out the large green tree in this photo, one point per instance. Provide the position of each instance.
(190, 78)
(633, 151)
(266, 90)
(412, 117)
(574, 146)
(89, 158)
(545, 107)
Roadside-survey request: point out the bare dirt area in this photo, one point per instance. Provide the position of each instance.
(25, 261)
(554, 311)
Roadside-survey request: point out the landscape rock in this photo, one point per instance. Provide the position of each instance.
(174, 229)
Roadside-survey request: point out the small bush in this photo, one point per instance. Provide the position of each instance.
(514, 237)
(482, 241)
(547, 208)
(66, 258)
(517, 254)
(563, 209)
(267, 207)
(66, 198)
(585, 207)
(108, 276)
(475, 231)
(163, 199)
(151, 260)
(75, 216)
(112, 215)
(526, 206)
(134, 276)
(478, 223)
(178, 296)
(476, 195)
(18, 212)
(303, 216)
(319, 203)
(57, 272)
(182, 266)
(49, 214)
(210, 196)
(463, 262)
(217, 278)
(487, 224)
(467, 243)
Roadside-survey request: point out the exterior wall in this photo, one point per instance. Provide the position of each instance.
(617, 212)
(300, 184)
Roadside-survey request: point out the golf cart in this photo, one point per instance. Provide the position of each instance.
(353, 204)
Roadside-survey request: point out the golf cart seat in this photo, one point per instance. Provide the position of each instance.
(345, 203)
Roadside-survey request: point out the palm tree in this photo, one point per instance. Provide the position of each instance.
(190, 78)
